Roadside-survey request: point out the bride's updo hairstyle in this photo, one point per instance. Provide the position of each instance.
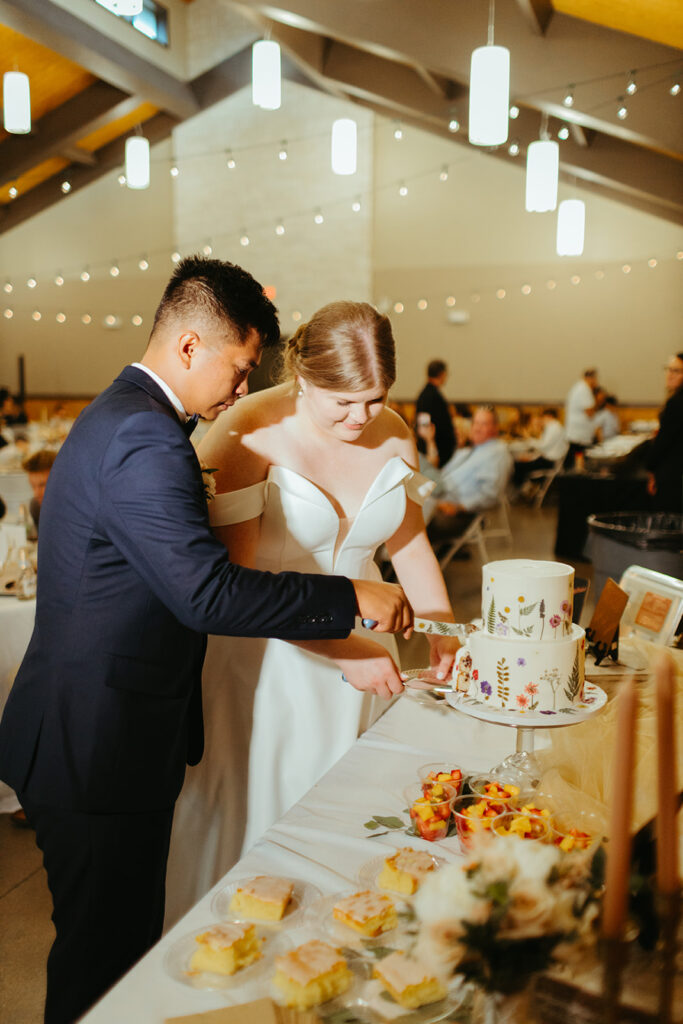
(345, 346)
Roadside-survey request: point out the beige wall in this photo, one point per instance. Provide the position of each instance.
(463, 237)
(469, 237)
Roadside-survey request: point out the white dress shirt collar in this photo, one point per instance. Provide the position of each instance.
(172, 397)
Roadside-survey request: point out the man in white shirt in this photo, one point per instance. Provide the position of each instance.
(545, 451)
(473, 480)
(579, 410)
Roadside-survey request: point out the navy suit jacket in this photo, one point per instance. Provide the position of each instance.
(106, 708)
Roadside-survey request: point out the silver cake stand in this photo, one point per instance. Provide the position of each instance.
(522, 768)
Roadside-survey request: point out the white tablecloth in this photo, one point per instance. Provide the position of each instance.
(321, 840)
(16, 626)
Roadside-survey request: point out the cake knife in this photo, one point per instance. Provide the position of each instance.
(460, 629)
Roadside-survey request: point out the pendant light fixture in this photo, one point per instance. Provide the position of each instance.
(344, 146)
(542, 172)
(16, 102)
(137, 162)
(489, 91)
(571, 224)
(265, 74)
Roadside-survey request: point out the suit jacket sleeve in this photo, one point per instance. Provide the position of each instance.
(153, 508)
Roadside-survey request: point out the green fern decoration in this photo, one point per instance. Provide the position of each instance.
(574, 681)
(528, 608)
(491, 617)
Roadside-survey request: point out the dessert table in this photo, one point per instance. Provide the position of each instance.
(322, 841)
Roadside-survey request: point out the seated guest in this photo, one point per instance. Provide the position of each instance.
(475, 479)
(38, 467)
(579, 411)
(433, 424)
(12, 412)
(606, 420)
(664, 458)
(545, 451)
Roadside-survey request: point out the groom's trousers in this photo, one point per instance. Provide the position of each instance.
(106, 873)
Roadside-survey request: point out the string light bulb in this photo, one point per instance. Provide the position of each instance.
(8, 314)
(356, 205)
(175, 257)
(280, 228)
(675, 88)
(513, 148)
(136, 320)
(403, 189)
(174, 171)
(85, 275)
(121, 179)
(36, 315)
(398, 307)
(563, 133)
(443, 173)
(282, 153)
(622, 110)
(514, 112)
(31, 283)
(13, 192)
(61, 318)
(143, 263)
(114, 270)
(231, 162)
(86, 319)
(59, 280)
(454, 125)
(398, 131)
(8, 287)
(207, 250)
(65, 187)
(318, 217)
(244, 239)
(632, 85)
(568, 98)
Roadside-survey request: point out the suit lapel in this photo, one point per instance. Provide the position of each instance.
(132, 375)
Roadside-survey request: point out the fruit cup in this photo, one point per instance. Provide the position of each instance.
(521, 824)
(505, 794)
(449, 775)
(473, 814)
(430, 809)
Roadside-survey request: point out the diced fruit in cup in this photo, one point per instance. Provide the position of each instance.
(450, 780)
(573, 839)
(431, 811)
(500, 790)
(523, 826)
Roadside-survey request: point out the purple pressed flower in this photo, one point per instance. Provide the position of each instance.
(521, 661)
(486, 688)
(501, 629)
(555, 620)
(547, 712)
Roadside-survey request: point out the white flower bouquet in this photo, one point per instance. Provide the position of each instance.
(504, 915)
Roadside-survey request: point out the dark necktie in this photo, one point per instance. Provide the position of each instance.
(190, 423)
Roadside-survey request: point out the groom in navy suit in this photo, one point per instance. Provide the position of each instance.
(106, 708)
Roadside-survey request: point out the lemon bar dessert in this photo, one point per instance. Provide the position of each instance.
(405, 871)
(311, 974)
(368, 912)
(226, 948)
(408, 981)
(262, 897)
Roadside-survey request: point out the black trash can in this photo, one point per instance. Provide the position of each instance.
(619, 539)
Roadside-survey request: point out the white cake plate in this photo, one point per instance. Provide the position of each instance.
(522, 767)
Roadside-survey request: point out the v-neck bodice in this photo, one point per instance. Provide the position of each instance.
(301, 529)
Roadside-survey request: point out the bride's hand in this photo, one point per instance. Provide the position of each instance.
(371, 668)
(442, 650)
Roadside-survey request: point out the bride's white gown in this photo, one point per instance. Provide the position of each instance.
(276, 717)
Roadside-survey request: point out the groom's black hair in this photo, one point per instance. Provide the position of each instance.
(222, 290)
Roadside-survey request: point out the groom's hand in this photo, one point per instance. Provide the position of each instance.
(386, 605)
(370, 668)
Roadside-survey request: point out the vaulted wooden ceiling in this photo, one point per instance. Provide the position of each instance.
(405, 60)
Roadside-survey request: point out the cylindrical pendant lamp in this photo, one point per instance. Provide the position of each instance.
(16, 102)
(489, 95)
(542, 171)
(137, 162)
(571, 223)
(344, 146)
(265, 75)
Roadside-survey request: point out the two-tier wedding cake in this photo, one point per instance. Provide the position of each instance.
(528, 655)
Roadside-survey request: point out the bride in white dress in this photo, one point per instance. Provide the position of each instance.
(312, 475)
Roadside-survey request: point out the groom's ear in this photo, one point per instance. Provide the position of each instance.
(186, 347)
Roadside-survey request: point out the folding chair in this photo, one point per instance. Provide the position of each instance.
(474, 534)
(499, 512)
(543, 478)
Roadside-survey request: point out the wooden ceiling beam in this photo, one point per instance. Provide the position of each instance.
(109, 157)
(538, 14)
(61, 128)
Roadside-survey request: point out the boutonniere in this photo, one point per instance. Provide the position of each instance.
(208, 480)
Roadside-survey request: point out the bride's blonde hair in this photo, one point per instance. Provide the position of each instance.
(345, 346)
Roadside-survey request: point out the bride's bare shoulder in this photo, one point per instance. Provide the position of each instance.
(397, 436)
(239, 439)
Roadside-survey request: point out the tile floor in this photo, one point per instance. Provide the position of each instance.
(26, 931)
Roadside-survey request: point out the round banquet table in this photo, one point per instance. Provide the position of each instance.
(16, 626)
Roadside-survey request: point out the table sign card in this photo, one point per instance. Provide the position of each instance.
(655, 608)
(603, 631)
(261, 1011)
